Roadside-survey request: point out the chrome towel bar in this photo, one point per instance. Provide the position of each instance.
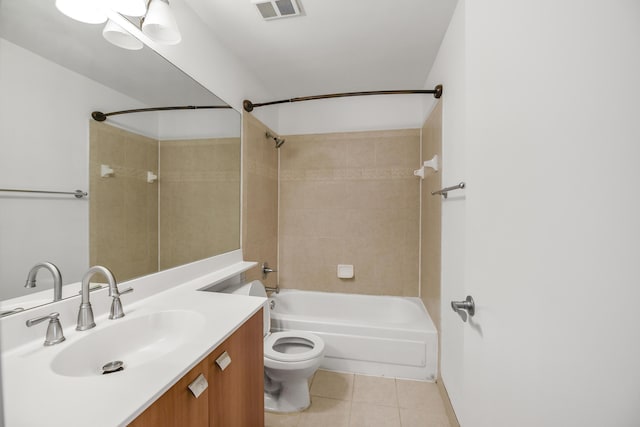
(443, 192)
(78, 194)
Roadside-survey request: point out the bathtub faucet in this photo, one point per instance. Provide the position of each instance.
(266, 270)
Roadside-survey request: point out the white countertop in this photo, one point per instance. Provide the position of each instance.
(34, 395)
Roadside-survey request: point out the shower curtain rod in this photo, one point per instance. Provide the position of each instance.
(249, 106)
(99, 116)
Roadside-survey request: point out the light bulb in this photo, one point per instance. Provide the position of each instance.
(87, 11)
(159, 24)
(120, 37)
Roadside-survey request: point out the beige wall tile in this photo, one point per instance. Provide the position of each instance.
(124, 208)
(199, 199)
(200, 204)
(260, 198)
(431, 218)
(358, 204)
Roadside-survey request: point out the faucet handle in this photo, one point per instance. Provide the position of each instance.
(266, 270)
(116, 305)
(55, 333)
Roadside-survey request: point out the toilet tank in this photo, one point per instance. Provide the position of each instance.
(255, 289)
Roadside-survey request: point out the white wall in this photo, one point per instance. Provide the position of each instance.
(194, 124)
(44, 134)
(449, 70)
(552, 233)
(350, 114)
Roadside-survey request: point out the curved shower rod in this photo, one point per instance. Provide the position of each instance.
(99, 116)
(437, 93)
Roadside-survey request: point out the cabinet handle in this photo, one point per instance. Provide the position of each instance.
(223, 361)
(198, 386)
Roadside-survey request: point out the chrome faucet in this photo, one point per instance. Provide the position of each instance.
(55, 334)
(55, 272)
(85, 315)
(266, 270)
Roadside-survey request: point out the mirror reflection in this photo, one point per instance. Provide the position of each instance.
(173, 194)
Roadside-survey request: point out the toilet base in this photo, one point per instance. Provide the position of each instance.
(292, 397)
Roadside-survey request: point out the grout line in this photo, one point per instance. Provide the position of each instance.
(353, 386)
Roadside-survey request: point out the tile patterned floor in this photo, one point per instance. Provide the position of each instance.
(348, 400)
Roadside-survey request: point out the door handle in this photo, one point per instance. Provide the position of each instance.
(464, 308)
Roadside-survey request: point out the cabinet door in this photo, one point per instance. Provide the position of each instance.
(178, 406)
(236, 394)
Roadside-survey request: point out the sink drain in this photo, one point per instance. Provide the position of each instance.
(111, 367)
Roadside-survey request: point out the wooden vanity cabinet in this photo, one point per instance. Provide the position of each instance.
(177, 406)
(235, 395)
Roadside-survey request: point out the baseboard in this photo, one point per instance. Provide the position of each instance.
(451, 414)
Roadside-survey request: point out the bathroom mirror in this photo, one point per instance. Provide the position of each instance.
(53, 73)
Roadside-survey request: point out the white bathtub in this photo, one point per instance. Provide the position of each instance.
(372, 335)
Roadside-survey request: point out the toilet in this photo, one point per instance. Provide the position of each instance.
(290, 359)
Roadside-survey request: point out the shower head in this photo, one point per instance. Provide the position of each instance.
(279, 141)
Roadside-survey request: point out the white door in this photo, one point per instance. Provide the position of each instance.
(552, 234)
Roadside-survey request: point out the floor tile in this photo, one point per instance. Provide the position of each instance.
(377, 390)
(332, 384)
(281, 420)
(418, 395)
(326, 412)
(370, 415)
(423, 418)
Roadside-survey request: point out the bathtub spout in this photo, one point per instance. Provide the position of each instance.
(270, 289)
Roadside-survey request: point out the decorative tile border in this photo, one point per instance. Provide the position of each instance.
(206, 176)
(351, 174)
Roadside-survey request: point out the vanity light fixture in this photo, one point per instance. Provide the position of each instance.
(120, 37)
(159, 24)
(156, 21)
(87, 11)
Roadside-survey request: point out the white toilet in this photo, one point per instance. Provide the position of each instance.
(290, 359)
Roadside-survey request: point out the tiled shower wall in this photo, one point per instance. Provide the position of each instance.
(199, 199)
(259, 198)
(350, 198)
(123, 212)
(431, 217)
(197, 215)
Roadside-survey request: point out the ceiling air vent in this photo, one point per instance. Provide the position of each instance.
(275, 9)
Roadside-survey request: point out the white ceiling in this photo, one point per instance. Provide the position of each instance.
(337, 46)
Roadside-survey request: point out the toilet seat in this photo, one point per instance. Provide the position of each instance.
(293, 337)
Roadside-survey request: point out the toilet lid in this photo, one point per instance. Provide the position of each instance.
(312, 346)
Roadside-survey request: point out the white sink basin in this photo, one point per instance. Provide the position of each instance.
(134, 341)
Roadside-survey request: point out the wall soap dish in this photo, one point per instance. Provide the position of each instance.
(433, 164)
(345, 271)
(106, 171)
